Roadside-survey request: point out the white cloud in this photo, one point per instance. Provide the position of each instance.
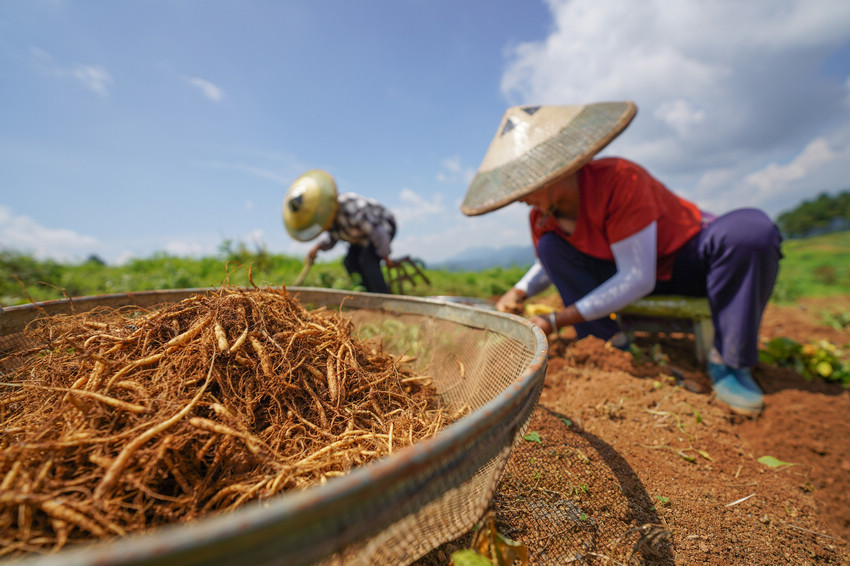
(815, 155)
(124, 257)
(456, 232)
(722, 88)
(451, 171)
(611, 49)
(208, 245)
(255, 237)
(185, 248)
(40, 54)
(208, 89)
(780, 185)
(93, 77)
(680, 115)
(250, 169)
(416, 208)
(25, 235)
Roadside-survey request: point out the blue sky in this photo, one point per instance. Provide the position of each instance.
(132, 127)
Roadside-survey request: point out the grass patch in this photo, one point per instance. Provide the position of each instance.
(812, 267)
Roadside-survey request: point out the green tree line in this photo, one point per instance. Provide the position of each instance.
(821, 215)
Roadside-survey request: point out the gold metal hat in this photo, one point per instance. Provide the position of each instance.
(310, 205)
(537, 144)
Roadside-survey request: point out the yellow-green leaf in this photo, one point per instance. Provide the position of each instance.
(533, 436)
(824, 369)
(500, 550)
(772, 462)
(469, 557)
(510, 551)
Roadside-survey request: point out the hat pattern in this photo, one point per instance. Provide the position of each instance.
(537, 144)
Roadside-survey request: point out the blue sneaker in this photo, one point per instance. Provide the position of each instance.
(736, 388)
(745, 378)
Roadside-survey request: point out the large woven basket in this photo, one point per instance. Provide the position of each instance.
(392, 511)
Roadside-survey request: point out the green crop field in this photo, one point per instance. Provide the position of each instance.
(818, 266)
(814, 267)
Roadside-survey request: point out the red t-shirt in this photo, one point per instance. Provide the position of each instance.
(617, 199)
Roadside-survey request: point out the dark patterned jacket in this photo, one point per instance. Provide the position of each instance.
(361, 221)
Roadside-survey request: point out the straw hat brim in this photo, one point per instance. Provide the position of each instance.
(310, 205)
(536, 145)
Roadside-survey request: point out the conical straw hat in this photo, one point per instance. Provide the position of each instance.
(537, 144)
(310, 205)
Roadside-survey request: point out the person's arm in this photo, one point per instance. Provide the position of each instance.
(635, 258)
(380, 238)
(533, 282)
(326, 241)
(311, 255)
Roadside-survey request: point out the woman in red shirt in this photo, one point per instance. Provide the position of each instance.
(607, 233)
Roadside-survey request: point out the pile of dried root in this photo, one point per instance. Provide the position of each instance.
(122, 421)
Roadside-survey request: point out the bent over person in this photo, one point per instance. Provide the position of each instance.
(607, 233)
(312, 207)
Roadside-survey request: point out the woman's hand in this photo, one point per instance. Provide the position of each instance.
(551, 322)
(544, 321)
(511, 302)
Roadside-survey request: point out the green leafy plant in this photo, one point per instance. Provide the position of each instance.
(636, 352)
(813, 360)
(658, 356)
(837, 320)
(655, 354)
(490, 547)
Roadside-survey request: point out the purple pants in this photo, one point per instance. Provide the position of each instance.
(733, 261)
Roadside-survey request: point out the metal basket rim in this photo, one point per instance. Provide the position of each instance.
(140, 548)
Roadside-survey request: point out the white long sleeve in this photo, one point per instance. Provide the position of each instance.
(635, 258)
(534, 281)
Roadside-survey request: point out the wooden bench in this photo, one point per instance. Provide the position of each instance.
(671, 313)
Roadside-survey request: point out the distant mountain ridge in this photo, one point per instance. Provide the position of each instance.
(476, 259)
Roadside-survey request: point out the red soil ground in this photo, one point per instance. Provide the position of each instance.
(692, 459)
